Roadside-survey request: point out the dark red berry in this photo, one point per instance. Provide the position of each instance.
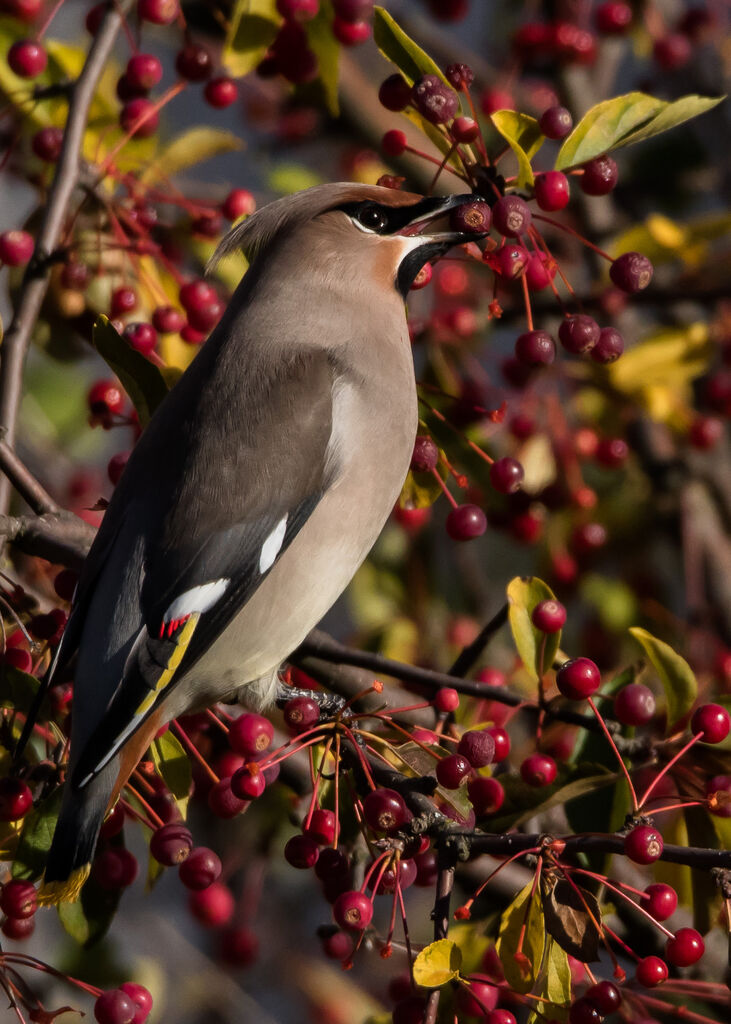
(452, 769)
(460, 76)
(168, 320)
(502, 742)
(511, 260)
(351, 33)
(643, 844)
(538, 770)
(578, 678)
(588, 538)
(353, 910)
(139, 118)
(612, 452)
(384, 810)
(599, 177)
(471, 218)
(248, 782)
(194, 63)
(250, 734)
(113, 823)
(394, 142)
(140, 997)
(549, 615)
(16, 799)
(332, 864)
(506, 475)
(115, 868)
(23, 10)
(353, 10)
(511, 216)
(171, 844)
(535, 348)
(298, 10)
(478, 746)
(584, 1012)
(486, 795)
(301, 852)
(605, 997)
(16, 248)
(466, 522)
(685, 948)
(578, 333)
(395, 93)
(27, 58)
(651, 971)
(200, 868)
(18, 898)
(613, 17)
(425, 455)
(238, 947)
(223, 802)
(705, 432)
(466, 130)
(552, 190)
(141, 337)
(609, 346)
(500, 1016)
(634, 704)
(115, 1007)
(46, 144)
(556, 122)
(631, 272)
(662, 901)
(144, 71)
(301, 714)
(321, 827)
(410, 1010)
(221, 92)
(18, 928)
(713, 721)
(65, 583)
(672, 51)
(434, 100)
(159, 12)
(213, 906)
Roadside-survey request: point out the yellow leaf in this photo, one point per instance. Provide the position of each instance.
(536, 648)
(670, 356)
(437, 964)
(522, 966)
(524, 137)
(192, 147)
(253, 26)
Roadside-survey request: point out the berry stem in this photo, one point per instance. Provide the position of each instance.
(615, 889)
(154, 816)
(444, 488)
(571, 231)
(613, 745)
(194, 752)
(668, 766)
(526, 299)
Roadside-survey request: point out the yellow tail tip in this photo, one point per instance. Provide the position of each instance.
(68, 891)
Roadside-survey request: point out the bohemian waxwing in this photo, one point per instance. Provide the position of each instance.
(255, 492)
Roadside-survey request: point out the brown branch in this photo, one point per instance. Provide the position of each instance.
(60, 537)
(25, 483)
(37, 276)
(470, 654)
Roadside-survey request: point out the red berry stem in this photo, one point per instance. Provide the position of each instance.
(316, 777)
(526, 300)
(480, 140)
(623, 895)
(613, 745)
(537, 237)
(145, 116)
(437, 163)
(462, 913)
(441, 167)
(214, 718)
(193, 751)
(676, 1011)
(576, 234)
(444, 488)
(137, 815)
(48, 19)
(152, 813)
(442, 419)
(667, 768)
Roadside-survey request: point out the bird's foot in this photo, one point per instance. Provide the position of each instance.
(330, 704)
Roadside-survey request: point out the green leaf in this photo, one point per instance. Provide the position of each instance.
(536, 649)
(624, 120)
(674, 672)
(522, 967)
(35, 839)
(473, 944)
(524, 137)
(437, 964)
(17, 689)
(191, 147)
(87, 920)
(141, 379)
(173, 764)
(253, 27)
(420, 490)
(522, 802)
(557, 987)
(289, 178)
(401, 50)
(325, 46)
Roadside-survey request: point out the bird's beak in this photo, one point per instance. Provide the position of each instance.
(430, 221)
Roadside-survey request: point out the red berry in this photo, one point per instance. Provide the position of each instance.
(452, 769)
(479, 999)
(351, 33)
(139, 118)
(556, 122)
(144, 71)
(384, 810)
(578, 678)
(221, 92)
(18, 898)
(425, 455)
(465, 130)
(123, 301)
(540, 271)
(298, 10)
(394, 142)
(609, 346)
(612, 452)
(511, 260)
(213, 906)
(115, 868)
(605, 997)
(196, 295)
(16, 799)
(446, 699)
(466, 522)
(613, 17)
(238, 203)
(159, 12)
(511, 216)
(535, 348)
(672, 51)
(46, 144)
(651, 971)
(27, 58)
(395, 93)
(506, 475)
(471, 218)
(115, 466)
(460, 76)
(552, 190)
(478, 746)
(248, 782)
(141, 337)
(19, 659)
(486, 795)
(140, 997)
(434, 100)
(250, 734)
(705, 432)
(634, 704)
(16, 248)
(686, 948)
(115, 1007)
(301, 714)
(578, 333)
(587, 539)
(353, 910)
(24, 10)
(496, 99)
(713, 721)
(599, 177)
(18, 928)
(113, 823)
(332, 865)
(583, 1012)
(502, 742)
(200, 868)
(538, 770)
(223, 802)
(631, 272)
(662, 901)
(194, 63)
(409, 1011)
(643, 844)
(500, 1016)
(353, 10)
(238, 947)
(321, 827)
(549, 615)
(168, 320)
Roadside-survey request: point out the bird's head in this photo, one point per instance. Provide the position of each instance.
(361, 227)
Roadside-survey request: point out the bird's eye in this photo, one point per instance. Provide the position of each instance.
(373, 218)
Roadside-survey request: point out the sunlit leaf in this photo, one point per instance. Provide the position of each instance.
(673, 114)
(173, 764)
(326, 48)
(522, 966)
(17, 689)
(669, 356)
(401, 50)
(437, 964)
(524, 137)
(536, 649)
(253, 26)
(473, 944)
(36, 836)
(420, 490)
(141, 379)
(192, 147)
(88, 919)
(289, 178)
(674, 672)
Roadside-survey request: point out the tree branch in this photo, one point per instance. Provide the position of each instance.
(25, 483)
(37, 275)
(60, 537)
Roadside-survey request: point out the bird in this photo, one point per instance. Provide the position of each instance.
(256, 490)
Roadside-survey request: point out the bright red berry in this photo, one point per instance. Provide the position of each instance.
(552, 190)
(486, 795)
(321, 827)
(662, 901)
(27, 58)
(144, 71)
(604, 996)
(578, 678)
(613, 17)
(353, 910)
(248, 782)
(465, 130)
(16, 248)
(466, 522)
(446, 699)
(502, 742)
(250, 734)
(238, 203)
(159, 12)
(452, 769)
(651, 971)
(713, 721)
(511, 260)
(643, 844)
(351, 33)
(685, 948)
(213, 906)
(479, 999)
(538, 770)
(140, 997)
(221, 92)
(141, 337)
(16, 799)
(549, 616)
(115, 1007)
(394, 142)
(301, 714)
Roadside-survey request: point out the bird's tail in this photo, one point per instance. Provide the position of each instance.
(75, 838)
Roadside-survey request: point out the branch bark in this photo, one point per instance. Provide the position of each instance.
(36, 280)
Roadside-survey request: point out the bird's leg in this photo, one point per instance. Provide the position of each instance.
(330, 704)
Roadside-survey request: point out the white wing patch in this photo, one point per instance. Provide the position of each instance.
(197, 599)
(272, 545)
